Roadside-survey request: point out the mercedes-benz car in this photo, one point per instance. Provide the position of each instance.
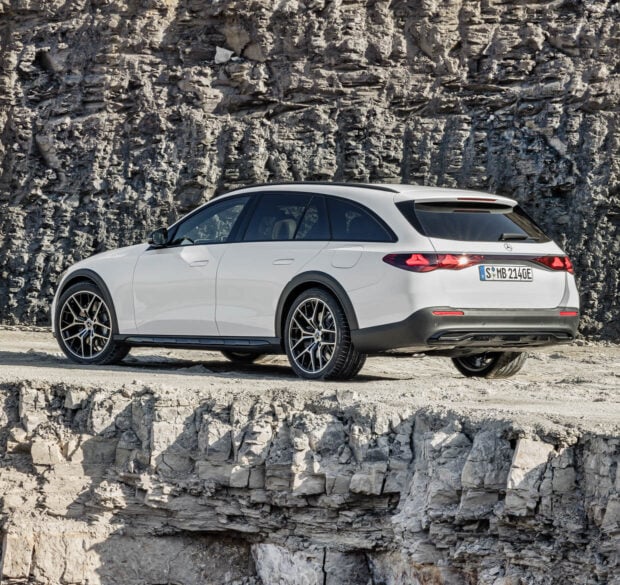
(329, 273)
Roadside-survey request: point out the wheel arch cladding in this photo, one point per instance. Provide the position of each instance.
(310, 280)
(91, 277)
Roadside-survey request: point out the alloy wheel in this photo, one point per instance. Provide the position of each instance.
(85, 325)
(312, 335)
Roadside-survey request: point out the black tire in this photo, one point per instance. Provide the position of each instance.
(320, 347)
(500, 364)
(241, 357)
(353, 366)
(87, 337)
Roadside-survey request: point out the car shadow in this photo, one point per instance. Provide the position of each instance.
(175, 366)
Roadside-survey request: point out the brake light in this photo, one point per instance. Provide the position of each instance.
(486, 199)
(416, 262)
(556, 263)
(569, 313)
(448, 313)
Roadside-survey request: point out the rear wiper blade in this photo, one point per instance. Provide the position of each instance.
(508, 236)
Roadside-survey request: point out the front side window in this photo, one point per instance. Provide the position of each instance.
(276, 217)
(212, 225)
(353, 223)
(471, 222)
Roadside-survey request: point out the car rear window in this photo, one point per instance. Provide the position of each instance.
(471, 222)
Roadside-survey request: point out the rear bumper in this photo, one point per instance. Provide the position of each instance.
(474, 330)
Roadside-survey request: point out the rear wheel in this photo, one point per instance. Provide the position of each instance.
(241, 357)
(86, 326)
(498, 364)
(317, 338)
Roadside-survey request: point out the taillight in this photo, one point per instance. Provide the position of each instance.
(416, 262)
(556, 263)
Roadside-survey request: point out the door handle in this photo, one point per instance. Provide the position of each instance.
(283, 261)
(197, 263)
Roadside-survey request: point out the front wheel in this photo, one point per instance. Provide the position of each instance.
(498, 364)
(317, 338)
(85, 326)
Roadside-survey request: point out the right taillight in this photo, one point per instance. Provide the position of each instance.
(556, 263)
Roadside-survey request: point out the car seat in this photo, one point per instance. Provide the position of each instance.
(283, 229)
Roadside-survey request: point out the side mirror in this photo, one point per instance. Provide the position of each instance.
(158, 238)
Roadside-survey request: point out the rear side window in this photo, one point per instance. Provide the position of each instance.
(314, 224)
(471, 222)
(276, 217)
(352, 222)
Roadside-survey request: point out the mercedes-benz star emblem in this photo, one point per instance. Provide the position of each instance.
(508, 247)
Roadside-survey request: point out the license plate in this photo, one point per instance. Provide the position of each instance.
(506, 273)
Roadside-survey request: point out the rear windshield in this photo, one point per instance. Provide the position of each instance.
(471, 222)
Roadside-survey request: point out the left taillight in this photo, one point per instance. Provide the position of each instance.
(422, 262)
(556, 263)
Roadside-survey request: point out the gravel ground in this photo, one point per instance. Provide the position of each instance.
(576, 386)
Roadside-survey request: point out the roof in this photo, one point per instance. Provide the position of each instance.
(400, 192)
(328, 184)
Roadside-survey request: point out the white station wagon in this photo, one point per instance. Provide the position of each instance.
(329, 273)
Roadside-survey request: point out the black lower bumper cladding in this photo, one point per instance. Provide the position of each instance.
(481, 329)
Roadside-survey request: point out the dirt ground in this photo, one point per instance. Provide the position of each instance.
(575, 386)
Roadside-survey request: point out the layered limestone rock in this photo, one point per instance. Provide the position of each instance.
(117, 116)
(152, 485)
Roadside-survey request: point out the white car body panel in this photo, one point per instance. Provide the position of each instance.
(174, 290)
(362, 277)
(250, 281)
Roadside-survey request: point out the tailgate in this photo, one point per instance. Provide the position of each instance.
(501, 277)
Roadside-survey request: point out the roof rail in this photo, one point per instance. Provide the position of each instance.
(378, 187)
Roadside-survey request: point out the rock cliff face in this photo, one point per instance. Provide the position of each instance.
(116, 116)
(148, 486)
